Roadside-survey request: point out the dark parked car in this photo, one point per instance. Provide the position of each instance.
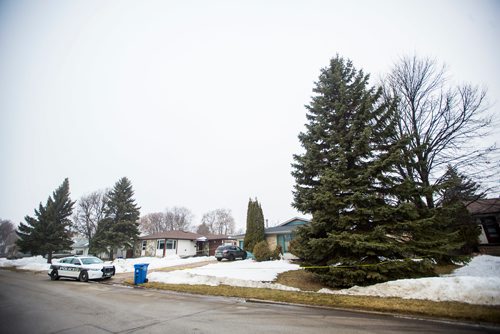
(230, 252)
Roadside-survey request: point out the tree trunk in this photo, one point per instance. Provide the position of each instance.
(49, 257)
(111, 254)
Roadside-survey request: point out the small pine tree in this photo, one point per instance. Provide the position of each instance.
(120, 226)
(261, 251)
(50, 231)
(457, 190)
(255, 225)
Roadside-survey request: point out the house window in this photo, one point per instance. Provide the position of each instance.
(144, 243)
(79, 252)
(160, 244)
(171, 244)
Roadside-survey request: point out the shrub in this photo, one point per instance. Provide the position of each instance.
(277, 253)
(261, 251)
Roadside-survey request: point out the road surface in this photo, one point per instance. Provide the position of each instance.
(31, 303)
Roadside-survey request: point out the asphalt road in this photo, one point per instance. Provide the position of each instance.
(31, 303)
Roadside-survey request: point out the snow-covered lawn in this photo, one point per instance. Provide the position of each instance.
(127, 265)
(35, 263)
(246, 273)
(476, 283)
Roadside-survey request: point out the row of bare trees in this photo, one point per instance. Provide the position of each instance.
(218, 221)
(90, 210)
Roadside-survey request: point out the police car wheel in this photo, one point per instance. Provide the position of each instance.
(54, 276)
(84, 276)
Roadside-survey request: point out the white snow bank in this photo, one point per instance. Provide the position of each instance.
(476, 283)
(246, 273)
(34, 263)
(38, 263)
(466, 289)
(480, 266)
(127, 265)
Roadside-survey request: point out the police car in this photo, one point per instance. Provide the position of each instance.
(81, 268)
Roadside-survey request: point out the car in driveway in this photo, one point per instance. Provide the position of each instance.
(230, 252)
(82, 268)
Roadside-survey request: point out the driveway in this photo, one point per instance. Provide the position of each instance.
(31, 303)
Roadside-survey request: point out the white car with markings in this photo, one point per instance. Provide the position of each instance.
(82, 268)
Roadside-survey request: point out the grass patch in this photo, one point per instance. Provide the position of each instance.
(445, 269)
(450, 310)
(301, 279)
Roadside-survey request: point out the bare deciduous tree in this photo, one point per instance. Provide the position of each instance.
(219, 221)
(153, 223)
(179, 218)
(8, 237)
(440, 123)
(173, 219)
(89, 211)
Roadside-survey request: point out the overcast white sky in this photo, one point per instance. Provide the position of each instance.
(199, 103)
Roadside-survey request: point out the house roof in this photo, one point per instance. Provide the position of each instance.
(294, 220)
(80, 243)
(484, 206)
(280, 229)
(284, 228)
(217, 237)
(183, 235)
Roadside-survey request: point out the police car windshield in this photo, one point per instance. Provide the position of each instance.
(90, 260)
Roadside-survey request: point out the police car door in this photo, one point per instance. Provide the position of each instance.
(63, 267)
(75, 267)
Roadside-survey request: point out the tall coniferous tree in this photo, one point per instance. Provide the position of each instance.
(49, 231)
(255, 225)
(120, 226)
(345, 179)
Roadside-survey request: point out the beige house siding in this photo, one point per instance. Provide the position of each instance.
(272, 241)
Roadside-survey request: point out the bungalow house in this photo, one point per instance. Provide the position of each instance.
(279, 235)
(486, 214)
(81, 246)
(180, 243)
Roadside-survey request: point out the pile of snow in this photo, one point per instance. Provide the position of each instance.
(476, 283)
(35, 263)
(246, 273)
(127, 265)
(38, 263)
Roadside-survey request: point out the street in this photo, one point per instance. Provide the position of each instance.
(31, 303)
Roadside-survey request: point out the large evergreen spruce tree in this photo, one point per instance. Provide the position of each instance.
(119, 228)
(49, 231)
(255, 225)
(361, 233)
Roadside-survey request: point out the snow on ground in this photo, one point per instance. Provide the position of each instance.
(476, 283)
(127, 265)
(38, 263)
(246, 273)
(35, 263)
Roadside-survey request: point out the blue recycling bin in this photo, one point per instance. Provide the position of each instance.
(140, 272)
